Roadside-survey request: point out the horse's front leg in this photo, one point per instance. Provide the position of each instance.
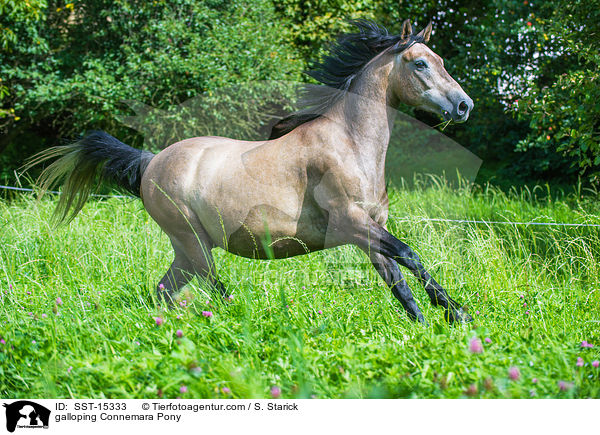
(390, 272)
(389, 246)
(375, 239)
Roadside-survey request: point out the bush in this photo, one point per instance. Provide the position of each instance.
(564, 109)
(72, 66)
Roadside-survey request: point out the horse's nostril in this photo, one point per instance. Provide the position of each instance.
(463, 107)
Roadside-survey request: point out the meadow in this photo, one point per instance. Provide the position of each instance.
(79, 318)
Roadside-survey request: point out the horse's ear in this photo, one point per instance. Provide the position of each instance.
(406, 30)
(426, 32)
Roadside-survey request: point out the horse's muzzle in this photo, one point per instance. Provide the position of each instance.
(461, 111)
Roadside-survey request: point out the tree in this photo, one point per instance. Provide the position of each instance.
(15, 17)
(530, 66)
(502, 52)
(73, 68)
(564, 107)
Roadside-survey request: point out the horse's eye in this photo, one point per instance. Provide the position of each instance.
(420, 64)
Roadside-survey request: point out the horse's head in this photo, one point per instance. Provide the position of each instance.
(418, 78)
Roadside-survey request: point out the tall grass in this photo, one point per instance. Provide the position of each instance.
(321, 325)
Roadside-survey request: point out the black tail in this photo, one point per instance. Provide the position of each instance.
(80, 164)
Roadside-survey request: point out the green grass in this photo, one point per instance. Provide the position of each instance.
(103, 341)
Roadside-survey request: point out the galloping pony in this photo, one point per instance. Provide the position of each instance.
(316, 184)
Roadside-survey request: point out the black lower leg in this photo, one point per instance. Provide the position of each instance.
(409, 259)
(392, 247)
(220, 288)
(389, 271)
(174, 279)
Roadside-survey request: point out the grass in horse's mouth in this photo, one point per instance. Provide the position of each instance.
(445, 123)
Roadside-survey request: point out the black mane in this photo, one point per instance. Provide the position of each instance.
(352, 51)
(347, 56)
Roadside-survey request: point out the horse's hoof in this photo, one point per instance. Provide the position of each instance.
(421, 319)
(458, 316)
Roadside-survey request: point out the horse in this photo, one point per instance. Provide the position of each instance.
(317, 183)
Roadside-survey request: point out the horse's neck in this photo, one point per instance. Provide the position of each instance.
(368, 118)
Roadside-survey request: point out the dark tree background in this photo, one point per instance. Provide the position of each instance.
(532, 68)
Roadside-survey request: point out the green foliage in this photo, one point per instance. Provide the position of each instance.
(500, 51)
(314, 23)
(15, 16)
(531, 68)
(75, 66)
(564, 108)
(322, 324)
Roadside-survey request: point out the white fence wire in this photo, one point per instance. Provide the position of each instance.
(396, 219)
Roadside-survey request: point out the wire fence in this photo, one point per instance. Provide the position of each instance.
(467, 221)
(394, 218)
(24, 189)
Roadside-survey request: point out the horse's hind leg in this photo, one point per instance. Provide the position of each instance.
(193, 258)
(198, 251)
(179, 274)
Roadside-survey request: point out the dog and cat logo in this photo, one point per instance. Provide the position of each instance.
(25, 414)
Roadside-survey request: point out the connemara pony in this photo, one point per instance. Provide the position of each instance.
(319, 183)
